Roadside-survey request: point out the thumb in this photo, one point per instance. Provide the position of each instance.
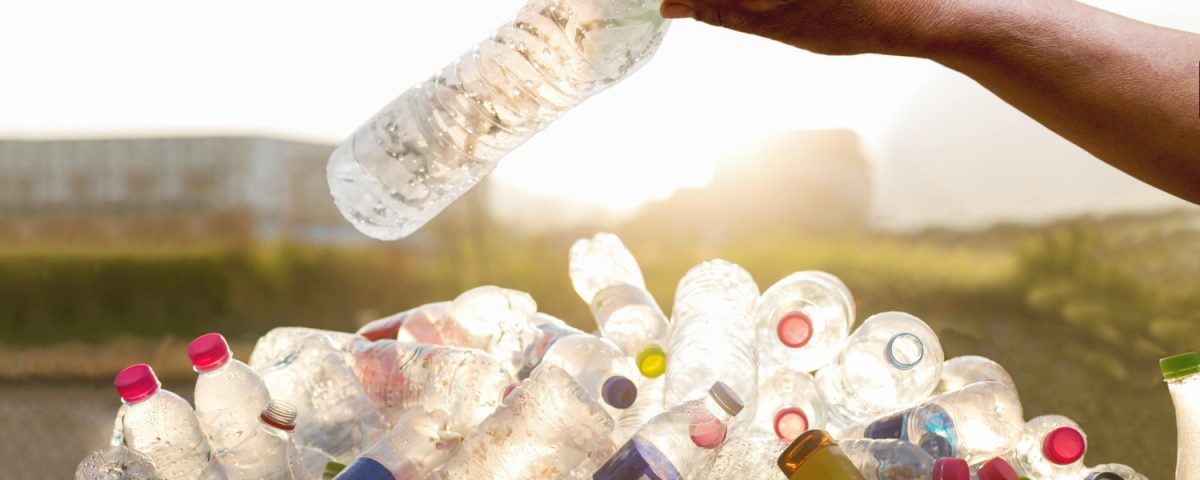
(707, 11)
(678, 9)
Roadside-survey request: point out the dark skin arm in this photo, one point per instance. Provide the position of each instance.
(1126, 91)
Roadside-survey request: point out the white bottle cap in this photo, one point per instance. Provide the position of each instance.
(726, 398)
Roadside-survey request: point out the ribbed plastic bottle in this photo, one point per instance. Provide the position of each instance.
(311, 370)
(599, 367)
(438, 139)
(163, 426)
(789, 404)
(267, 451)
(976, 422)
(421, 441)
(115, 462)
(959, 372)
(607, 277)
(712, 336)
(399, 376)
(893, 361)
(675, 443)
(498, 321)
(803, 320)
(544, 429)
(1114, 471)
(1051, 448)
(420, 323)
(899, 460)
(1182, 374)
(814, 454)
(230, 396)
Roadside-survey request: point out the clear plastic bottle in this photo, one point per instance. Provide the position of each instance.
(267, 451)
(498, 321)
(803, 320)
(229, 394)
(712, 337)
(815, 454)
(115, 462)
(789, 404)
(163, 426)
(1182, 374)
(961, 371)
(649, 404)
(976, 422)
(550, 330)
(599, 367)
(544, 429)
(399, 376)
(1114, 471)
(310, 370)
(420, 442)
(629, 316)
(1051, 448)
(419, 323)
(899, 460)
(438, 139)
(600, 262)
(678, 441)
(750, 458)
(892, 361)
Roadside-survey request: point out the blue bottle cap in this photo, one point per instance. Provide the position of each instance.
(619, 392)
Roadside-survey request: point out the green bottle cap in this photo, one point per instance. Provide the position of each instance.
(1178, 366)
(332, 469)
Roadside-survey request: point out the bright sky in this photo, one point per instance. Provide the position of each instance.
(317, 69)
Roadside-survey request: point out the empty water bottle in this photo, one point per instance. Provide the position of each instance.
(649, 404)
(398, 376)
(673, 444)
(550, 330)
(1051, 448)
(544, 429)
(498, 321)
(751, 458)
(267, 452)
(712, 338)
(163, 426)
(421, 324)
(814, 454)
(1182, 374)
(890, 363)
(229, 396)
(599, 367)
(307, 369)
(977, 422)
(600, 262)
(421, 441)
(959, 372)
(899, 460)
(803, 320)
(1114, 471)
(116, 462)
(789, 404)
(437, 140)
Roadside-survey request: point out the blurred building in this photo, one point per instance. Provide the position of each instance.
(174, 190)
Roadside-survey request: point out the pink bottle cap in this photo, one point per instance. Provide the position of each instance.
(790, 422)
(136, 383)
(1064, 445)
(794, 329)
(208, 351)
(997, 469)
(707, 434)
(951, 468)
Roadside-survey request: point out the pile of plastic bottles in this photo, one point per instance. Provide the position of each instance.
(734, 384)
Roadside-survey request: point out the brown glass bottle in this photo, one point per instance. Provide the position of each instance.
(815, 456)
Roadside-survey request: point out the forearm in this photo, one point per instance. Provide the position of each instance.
(1127, 92)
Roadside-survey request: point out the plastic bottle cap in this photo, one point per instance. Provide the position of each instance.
(905, 351)
(1104, 476)
(279, 414)
(1177, 366)
(794, 330)
(208, 351)
(136, 383)
(1064, 445)
(951, 468)
(619, 392)
(726, 398)
(709, 434)
(652, 361)
(997, 469)
(790, 422)
(936, 445)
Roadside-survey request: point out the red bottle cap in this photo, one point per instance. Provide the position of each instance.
(794, 329)
(208, 351)
(951, 468)
(136, 383)
(1064, 445)
(997, 469)
(790, 423)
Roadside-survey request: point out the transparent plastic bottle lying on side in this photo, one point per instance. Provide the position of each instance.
(115, 462)
(712, 337)
(789, 404)
(498, 321)
(649, 404)
(550, 330)
(438, 139)
(1182, 374)
(674, 444)
(599, 367)
(900, 460)
(229, 395)
(1051, 448)
(803, 320)
(959, 372)
(164, 427)
(600, 262)
(420, 442)
(421, 324)
(267, 452)
(892, 361)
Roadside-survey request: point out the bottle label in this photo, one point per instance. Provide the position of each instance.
(638, 460)
(365, 469)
